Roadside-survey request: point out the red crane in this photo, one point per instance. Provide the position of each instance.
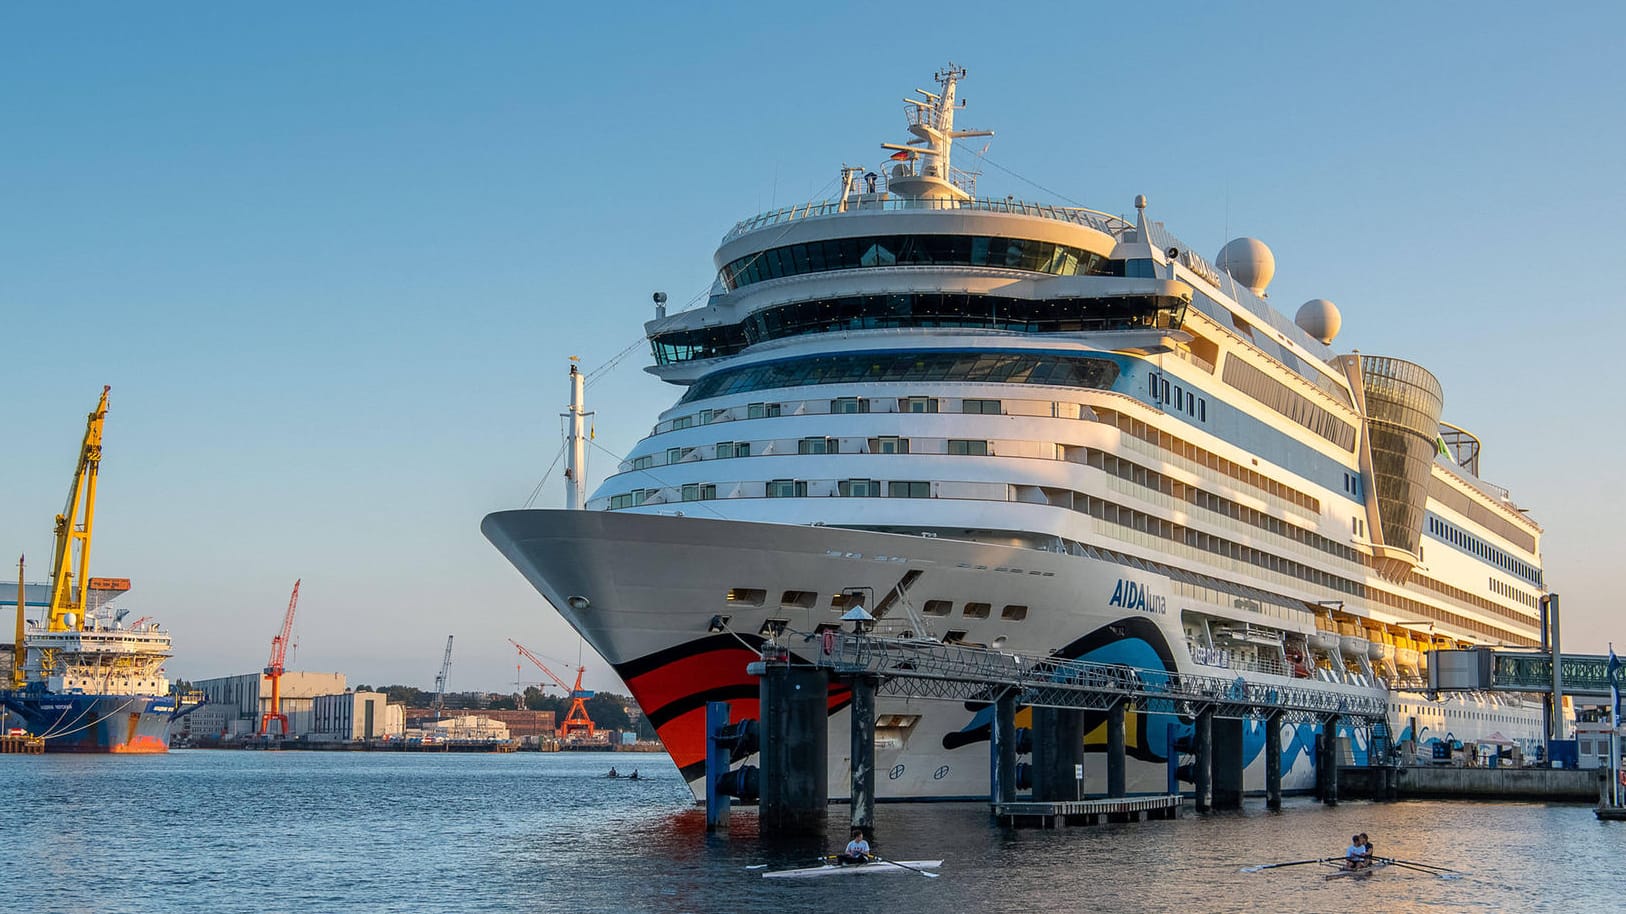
(273, 668)
(577, 718)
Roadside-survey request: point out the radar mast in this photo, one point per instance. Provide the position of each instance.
(927, 172)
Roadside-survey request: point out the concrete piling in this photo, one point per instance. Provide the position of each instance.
(1227, 761)
(863, 754)
(1273, 760)
(795, 780)
(1327, 765)
(1202, 777)
(1002, 750)
(1058, 748)
(1115, 751)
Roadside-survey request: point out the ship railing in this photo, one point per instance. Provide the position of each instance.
(1088, 218)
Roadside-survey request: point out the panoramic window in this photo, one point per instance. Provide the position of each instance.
(922, 309)
(863, 368)
(911, 250)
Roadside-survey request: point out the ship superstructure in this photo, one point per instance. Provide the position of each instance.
(1041, 427)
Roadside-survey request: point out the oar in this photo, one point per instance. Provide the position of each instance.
(1429, 868)
(1271, 866)
(906, 867)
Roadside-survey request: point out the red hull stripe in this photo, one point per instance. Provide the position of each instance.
(674, 685)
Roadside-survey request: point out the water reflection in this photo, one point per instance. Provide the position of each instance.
(239, 831)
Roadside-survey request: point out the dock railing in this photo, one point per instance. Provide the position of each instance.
(925, 668)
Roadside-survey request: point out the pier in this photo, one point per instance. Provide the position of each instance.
(1575, 785)
(21, 744)
(1022, 814)
(793, 693)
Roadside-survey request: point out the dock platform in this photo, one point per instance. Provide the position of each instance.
(21, 745)
(1065, 813)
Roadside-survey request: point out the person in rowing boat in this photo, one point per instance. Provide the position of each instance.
(1355, 854)
(1367, 844)
(857, 849)
(612, 774)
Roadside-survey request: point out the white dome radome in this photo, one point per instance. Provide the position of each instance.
(1249, 262)
(1319, 318)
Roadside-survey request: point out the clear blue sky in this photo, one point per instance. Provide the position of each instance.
(333, 257)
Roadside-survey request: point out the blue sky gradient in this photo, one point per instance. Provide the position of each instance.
(333, 258)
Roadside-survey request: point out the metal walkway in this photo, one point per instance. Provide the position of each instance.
(920, 668)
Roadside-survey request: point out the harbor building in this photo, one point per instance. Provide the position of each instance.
(468, 730)
(236, 704)
(356, 716)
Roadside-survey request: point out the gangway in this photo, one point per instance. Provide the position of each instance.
(922, 668)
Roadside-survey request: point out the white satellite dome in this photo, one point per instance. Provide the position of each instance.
(1249, 262)
(1319, 318)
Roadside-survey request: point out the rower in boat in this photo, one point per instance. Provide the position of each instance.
(857, 850)
(612, 773)
(633, 776)
(1355, 854)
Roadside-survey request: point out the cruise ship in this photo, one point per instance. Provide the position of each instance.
(1039, 428)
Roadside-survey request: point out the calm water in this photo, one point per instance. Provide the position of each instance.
(225, 832)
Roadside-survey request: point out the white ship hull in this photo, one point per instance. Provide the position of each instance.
(642, 590)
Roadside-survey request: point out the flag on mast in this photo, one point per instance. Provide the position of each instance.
(1613, 673)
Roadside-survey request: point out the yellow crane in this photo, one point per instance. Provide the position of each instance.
(66, 607)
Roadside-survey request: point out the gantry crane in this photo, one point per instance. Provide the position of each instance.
(440, 681)
(576, 718)
(274, 668)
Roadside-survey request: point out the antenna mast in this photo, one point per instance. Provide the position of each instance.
(932, 123)
(576, 461)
